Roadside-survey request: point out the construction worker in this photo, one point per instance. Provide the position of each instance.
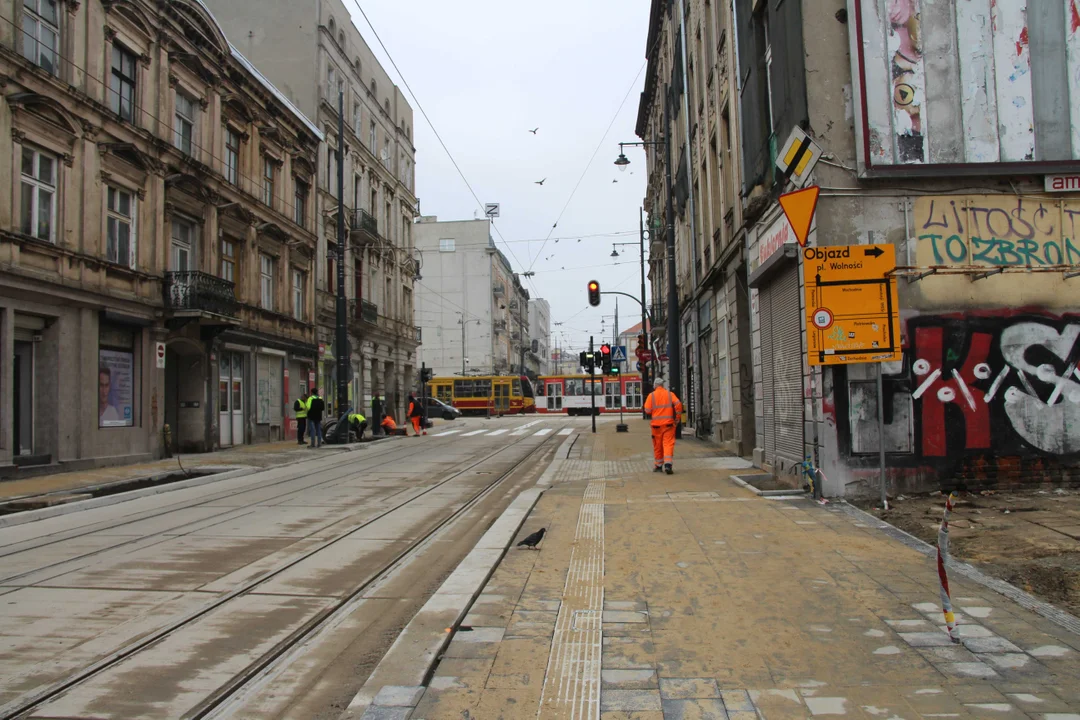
(316, 406)
(389, 425)
(358, 424)
(300, 408)
(416, 415)
(665, 410)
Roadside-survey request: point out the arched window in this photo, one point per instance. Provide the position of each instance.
(386, 104)
(333, 25)
(341, 38)
(373, 87)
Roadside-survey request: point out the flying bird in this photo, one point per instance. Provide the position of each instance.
(614, 181)
(541, 182)
(534, 131)
(579, 239)
(533, 540)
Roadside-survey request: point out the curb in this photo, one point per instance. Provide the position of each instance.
(409, 661)
(1021, 598)
(791, 492)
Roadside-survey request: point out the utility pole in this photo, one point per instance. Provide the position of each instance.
(674, 355)
(592, 383)
(521, 336)
(341, 338)
(462, 346)
(645, 329)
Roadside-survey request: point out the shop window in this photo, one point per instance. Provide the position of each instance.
(117, 379)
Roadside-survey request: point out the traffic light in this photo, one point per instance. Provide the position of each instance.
(426, 374)
(605, 357)
(588, 361)
(594, 293)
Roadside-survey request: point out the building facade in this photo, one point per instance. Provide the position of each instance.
(472, 308)
(157, 236)
(538, 356)
(692, 71)
(328, 57)
(943, 127)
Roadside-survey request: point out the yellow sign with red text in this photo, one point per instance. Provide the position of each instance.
(852, 304)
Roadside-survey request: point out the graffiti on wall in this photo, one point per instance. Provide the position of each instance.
(909, 79)
(997, 231)
(1007, 383)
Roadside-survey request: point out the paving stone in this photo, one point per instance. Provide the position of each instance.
(967, 670)
(828, 705)
(480, 635)
(386, 713)
(630, 700)
(990, 645)
(695, 709)
(625, 616)
(398, 696)
(737, 701)
(626, 605)
(926, 639)
(623, 679)
(688, 688)
(950, 653)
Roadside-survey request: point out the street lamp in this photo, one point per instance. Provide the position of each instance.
(462, 321)
(674, 354)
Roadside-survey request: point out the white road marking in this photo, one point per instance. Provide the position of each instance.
(448, 432)
(474, 432)
(499, 432)
(524, 428)
(567, 431)
(543, 431)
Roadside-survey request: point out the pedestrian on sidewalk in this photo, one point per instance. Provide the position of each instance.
(665, 410)
(315, 408)
(300, 408)
(416, 415)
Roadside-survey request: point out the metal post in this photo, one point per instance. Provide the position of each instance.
(881, 433)
(674, 354)
(645, 329)
(423, 399)
(341, 338)
(592, 383)
(462, 346)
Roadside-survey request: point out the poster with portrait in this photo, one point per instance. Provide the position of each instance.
(115, 388)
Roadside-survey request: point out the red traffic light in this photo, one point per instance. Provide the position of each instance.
(605, 349)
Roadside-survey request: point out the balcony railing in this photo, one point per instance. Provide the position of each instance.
(201, 292)
(367, 312)
(363, 222)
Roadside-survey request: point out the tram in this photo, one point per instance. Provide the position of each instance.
(571, 394)
(485, 394)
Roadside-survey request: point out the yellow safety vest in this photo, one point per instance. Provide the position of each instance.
(302, 412)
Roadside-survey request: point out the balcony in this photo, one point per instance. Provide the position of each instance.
(363, 227)
(367, 312)
(498, 291)
(197, 293)
(498, 326)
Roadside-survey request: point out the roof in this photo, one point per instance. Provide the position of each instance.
(635, 330)
(269, 86)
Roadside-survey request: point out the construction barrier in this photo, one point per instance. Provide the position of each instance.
(943, 577)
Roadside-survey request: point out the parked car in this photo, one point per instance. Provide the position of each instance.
(437, 408)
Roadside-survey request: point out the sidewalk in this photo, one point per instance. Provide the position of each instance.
(689, 597)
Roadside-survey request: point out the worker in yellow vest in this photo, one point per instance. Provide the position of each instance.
(300, 408)
(665, 410)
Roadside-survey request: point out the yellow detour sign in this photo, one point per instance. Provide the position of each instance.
(852, 305)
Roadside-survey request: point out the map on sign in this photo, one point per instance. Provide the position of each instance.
(852, 304)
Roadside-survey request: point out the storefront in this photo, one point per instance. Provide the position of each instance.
(778, 355)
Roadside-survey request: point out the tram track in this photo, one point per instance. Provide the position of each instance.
(266, 662)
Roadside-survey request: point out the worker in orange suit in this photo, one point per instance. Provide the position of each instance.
(665, 409)
(389, 425)
(416, 415)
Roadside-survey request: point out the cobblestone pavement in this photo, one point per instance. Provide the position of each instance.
(688, 597)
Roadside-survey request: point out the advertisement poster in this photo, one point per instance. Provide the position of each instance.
(115, 392)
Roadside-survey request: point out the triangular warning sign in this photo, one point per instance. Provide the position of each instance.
(799, 207)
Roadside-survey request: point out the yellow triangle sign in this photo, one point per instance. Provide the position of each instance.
(799, 207)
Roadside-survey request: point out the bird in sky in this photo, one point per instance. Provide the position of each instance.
(541, 182)
(614, 181)
(534, 131)
(579, 239)
(531, 541)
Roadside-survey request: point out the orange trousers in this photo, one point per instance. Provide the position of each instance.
(416, 424)
(663, 444)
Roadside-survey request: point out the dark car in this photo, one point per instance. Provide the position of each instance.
(437, 408)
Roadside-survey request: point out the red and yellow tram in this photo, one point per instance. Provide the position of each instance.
(483, 395)
(572, 394)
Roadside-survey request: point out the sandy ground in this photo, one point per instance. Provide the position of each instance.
(1030, 539)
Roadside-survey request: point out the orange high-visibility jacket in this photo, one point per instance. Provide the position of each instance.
(388, 423)
(664, 407)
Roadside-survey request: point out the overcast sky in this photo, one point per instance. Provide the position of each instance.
(487, 72)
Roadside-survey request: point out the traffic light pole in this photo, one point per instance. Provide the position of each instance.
(645, 328)
(592, 384)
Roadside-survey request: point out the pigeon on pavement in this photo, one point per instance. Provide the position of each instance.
(534, 539)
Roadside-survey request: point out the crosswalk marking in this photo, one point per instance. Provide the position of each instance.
(448, 432)
(525, 428)
(544, 431)
(567, 431)
(493, 433)
(474, 432)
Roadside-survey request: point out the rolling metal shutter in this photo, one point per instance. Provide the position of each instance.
(781, 361)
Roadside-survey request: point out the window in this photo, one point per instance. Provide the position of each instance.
(298, 294)
(372, 136)
(184, 123)
(232, 156)
(331, 170)
(407, 305)
(374, 196)
(120, 227)
(386, 153)
(266, 281)
(446, 245)
(38, 194)
(357, 125)
(268, 182)
(331, 274)
(183, 233)
(122, 84)
(41, 33)
(358, 185)
(300, 203)
(331, 82)
(228, 260)
(388, 297)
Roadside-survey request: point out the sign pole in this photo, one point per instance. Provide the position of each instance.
(881, 432)
(592, 384)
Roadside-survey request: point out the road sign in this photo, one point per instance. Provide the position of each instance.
(639, 366)
(799, 207)
(645, 355)
(798, 157)
(618, 353)
(852, 304)
(491, 210)
(160, 353)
